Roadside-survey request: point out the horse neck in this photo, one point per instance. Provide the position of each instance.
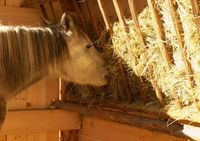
(26, 55)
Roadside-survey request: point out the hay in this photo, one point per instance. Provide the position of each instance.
(138, 59)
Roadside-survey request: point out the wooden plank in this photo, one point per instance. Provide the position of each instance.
(3, 138)
(166, 54)
(16, 138)
(58, 10)
(104, 14)
(52, 136)
(13, 16)
(79, 13)
(132, 6)
(196, 11)
(2, 2)
(94, 129)
(134, 120)
(181, 46)
(18, 102)
(44, 136)
(119, 12)
(36, 97)
(35, 121)
(14, 3)
(37, 137)
(26, 3)
(93, 16)
(44, 12)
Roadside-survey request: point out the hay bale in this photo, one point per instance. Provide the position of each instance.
(133, 54)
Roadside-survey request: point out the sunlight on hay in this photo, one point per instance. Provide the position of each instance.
(139, 59)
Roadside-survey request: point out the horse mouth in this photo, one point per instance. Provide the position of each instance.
(102, 80)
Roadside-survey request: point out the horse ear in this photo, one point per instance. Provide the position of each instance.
(66, 21)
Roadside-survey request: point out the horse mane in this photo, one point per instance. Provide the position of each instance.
(26, 51)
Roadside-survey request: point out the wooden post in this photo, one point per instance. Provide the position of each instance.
(77, 9)
(132, 7)
(94, 21)
(160, 35)
(105, 16)
(53, 12)
(196, 11)
(120, 16)
(44, 12)
(180, 40)
(122, 70)
(119, 12)
(163, 47)
(142, 42)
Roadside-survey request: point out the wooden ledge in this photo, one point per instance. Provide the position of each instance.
(32, 121)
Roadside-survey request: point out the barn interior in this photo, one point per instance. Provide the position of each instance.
(151, 52)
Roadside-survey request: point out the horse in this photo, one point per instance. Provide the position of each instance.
(28, 54)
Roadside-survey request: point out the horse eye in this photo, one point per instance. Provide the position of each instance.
(88, 46)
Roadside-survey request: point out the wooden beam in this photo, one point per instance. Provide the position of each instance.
(93, 16)
(180, 40)
(132, 6)
(104, 15)
(121, 66)
(33, 121)
(196, 11)
(119, 12)
(166, 54)
(134, 120)
(26, 3)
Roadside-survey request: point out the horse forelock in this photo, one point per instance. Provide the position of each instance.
(26, 51)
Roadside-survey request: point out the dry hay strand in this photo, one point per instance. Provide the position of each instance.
(138, 60)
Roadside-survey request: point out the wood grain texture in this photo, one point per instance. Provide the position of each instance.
(94, 129)
(13, 16)
(35, 121)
